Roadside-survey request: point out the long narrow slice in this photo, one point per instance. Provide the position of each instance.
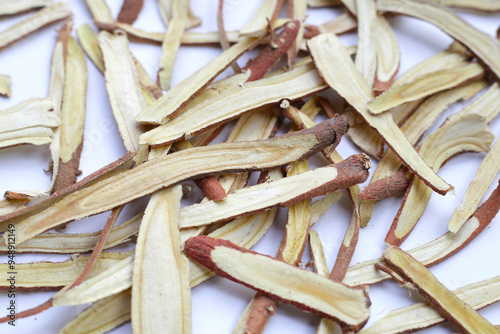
(312, 293)
(121, 78)
(50, 276)
(169, 105)
(388, 55)
(436, 251)
(40, 19)
(68, 243)
(462, 132)
(267, 12)
(422, 315)
(88, 198)
(8, 7)
(424, 86)
(300, 82)
(30, 122)
(72, 116)
(486, 47)
(366, 57)
(129, 11)
(172, 41)
(485, 174)
(89, 42)
(5, 85)
(414, 128)
(56, 92)
(334, 63)
(159, 265)
(100, 10)
(102, 316)
(283, 192)
(446, 303)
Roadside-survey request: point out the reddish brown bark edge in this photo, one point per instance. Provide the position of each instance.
(130, 10)
(212, 188)
(199, 248)
(273, 52)
(393, 185)
(263, 307)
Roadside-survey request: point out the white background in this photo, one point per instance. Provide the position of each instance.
(218, 303)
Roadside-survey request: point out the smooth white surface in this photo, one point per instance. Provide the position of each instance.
(218, 303)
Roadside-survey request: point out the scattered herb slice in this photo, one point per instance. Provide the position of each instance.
(312, 293)
(447, 304)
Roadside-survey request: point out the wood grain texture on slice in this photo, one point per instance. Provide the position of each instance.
(336, 66)
(484, 46)
(73, 109)
(422, 315)
(484, 5)
(68, 243)
(40, 19)
(461, 132)
(29, 122)
(172, 41)
(170, 104)
(447, 304)
(115, 279)
(5, 85)
(267, 12)
(413, 129)
(102, 316)
(129, 11)
(424, 86)
(87, 198)
(311, 292)
(11, 205)
(123, 87)
(366, 56)
(100, 11)
(388, 55)
(283, 192)
(234, 102)
(436, 251)
(159, 265)
(51, 276)
(8, 7)
(90, 44)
